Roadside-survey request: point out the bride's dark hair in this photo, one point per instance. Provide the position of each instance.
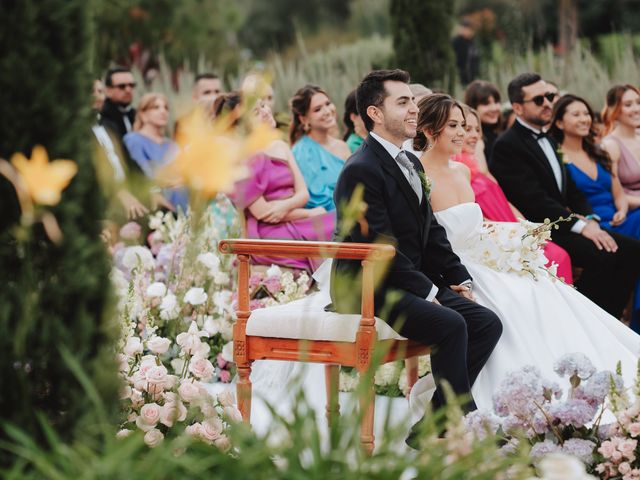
(435, 110)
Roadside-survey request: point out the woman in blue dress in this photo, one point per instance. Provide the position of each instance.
(150, 147)
(590, 168)
(319, 155)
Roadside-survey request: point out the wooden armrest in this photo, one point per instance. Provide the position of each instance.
(304, 249)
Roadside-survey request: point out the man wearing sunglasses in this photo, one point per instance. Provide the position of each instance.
(531, 172)
(117, 114)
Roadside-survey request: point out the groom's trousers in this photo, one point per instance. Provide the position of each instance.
(461, 333)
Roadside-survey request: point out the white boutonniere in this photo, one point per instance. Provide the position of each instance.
(563, 158)
(426, 182)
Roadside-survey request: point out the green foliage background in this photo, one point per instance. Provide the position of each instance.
(53, 297)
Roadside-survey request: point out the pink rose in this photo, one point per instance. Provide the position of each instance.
(194, 430)
(201, 368)
(130, 231)
(221, 361)
(624, 468)
(211, 429)
(273, 284)
(223, 443)
(154, 239)
(233, 414)
(172, 412)
(634, 429)
(628, 448)
(227, 398)
(149, 416)
(153, 437)
(189, 391)
(606, 449)
(255, 280)
(225, 376)
(147, 362)
(156, 379)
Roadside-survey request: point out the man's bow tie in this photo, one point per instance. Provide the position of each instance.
(540, 135)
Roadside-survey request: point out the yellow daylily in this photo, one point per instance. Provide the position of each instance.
(44, 180)
(212, 158)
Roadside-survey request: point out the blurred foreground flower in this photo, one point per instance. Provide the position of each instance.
(44, 180)
(212, 157)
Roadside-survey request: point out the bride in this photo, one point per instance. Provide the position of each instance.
(543, 318)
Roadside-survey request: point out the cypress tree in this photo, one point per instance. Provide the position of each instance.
(422, 40)
(53, 297)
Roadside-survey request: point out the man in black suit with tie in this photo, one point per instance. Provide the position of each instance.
(532, 174)
(426, 292)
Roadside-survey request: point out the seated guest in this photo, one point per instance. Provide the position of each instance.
(150, 148)
(536, 181)
(590, 169)
(484, 97)
(274, 195)
(117, 114)
(621, 117)
(206, 87)
(356, 133)
(490, 197)
(319, 155)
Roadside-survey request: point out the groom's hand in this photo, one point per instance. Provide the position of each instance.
(464, 291)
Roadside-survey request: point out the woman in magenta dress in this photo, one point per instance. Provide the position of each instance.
(491, 198)
(273, 199)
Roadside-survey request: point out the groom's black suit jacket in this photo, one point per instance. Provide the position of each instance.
(394, 216)
(524, 173)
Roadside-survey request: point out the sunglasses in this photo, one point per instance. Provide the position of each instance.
(123, 86)
(538, 100)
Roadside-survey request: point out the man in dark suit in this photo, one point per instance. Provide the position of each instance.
(532, 174)
(426, 292)
(117, 114)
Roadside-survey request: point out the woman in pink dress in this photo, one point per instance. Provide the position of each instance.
(273, 197)
(491, 198)
(621, 118)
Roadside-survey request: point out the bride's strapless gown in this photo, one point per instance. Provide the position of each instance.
(542, 319)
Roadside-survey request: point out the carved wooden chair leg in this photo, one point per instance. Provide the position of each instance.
(411, 365)
(367, 410)
(332, 383)
(243, 390)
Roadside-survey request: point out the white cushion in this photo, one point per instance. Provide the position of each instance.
(306, 319)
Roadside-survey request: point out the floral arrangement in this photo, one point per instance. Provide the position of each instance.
(157, 402)
(390, 379)
(529, 408)
(273, 286)
(517, 247)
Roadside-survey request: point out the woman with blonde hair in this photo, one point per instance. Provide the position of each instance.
(149, 145)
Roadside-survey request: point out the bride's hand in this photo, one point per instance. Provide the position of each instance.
(463, 291)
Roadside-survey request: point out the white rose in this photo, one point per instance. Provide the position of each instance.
(146, 363)
(211, 261)
(124, 433)
(155, 221)
(201, 349)
(226, 330)
(195, 296)
(221, 278)
(153, 437)
(158, 345)
(178, 365)
(169, 308)
(156, 378)
(233, 414)
(190, 340)
(227, 398)
(222, 300)
(133, 346)
(138, 256)
(211, 429)
(136, 398)
(189, 391)
(149, 416)
(227, 352)
(560, 466)
(156, 289)
(274, 271)
(201, 368)
(211, 325)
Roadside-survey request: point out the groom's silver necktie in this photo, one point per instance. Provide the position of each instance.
(413, 178)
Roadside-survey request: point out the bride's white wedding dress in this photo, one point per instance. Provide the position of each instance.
(543, 319)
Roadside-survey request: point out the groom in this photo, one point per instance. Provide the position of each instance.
(431, 290)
